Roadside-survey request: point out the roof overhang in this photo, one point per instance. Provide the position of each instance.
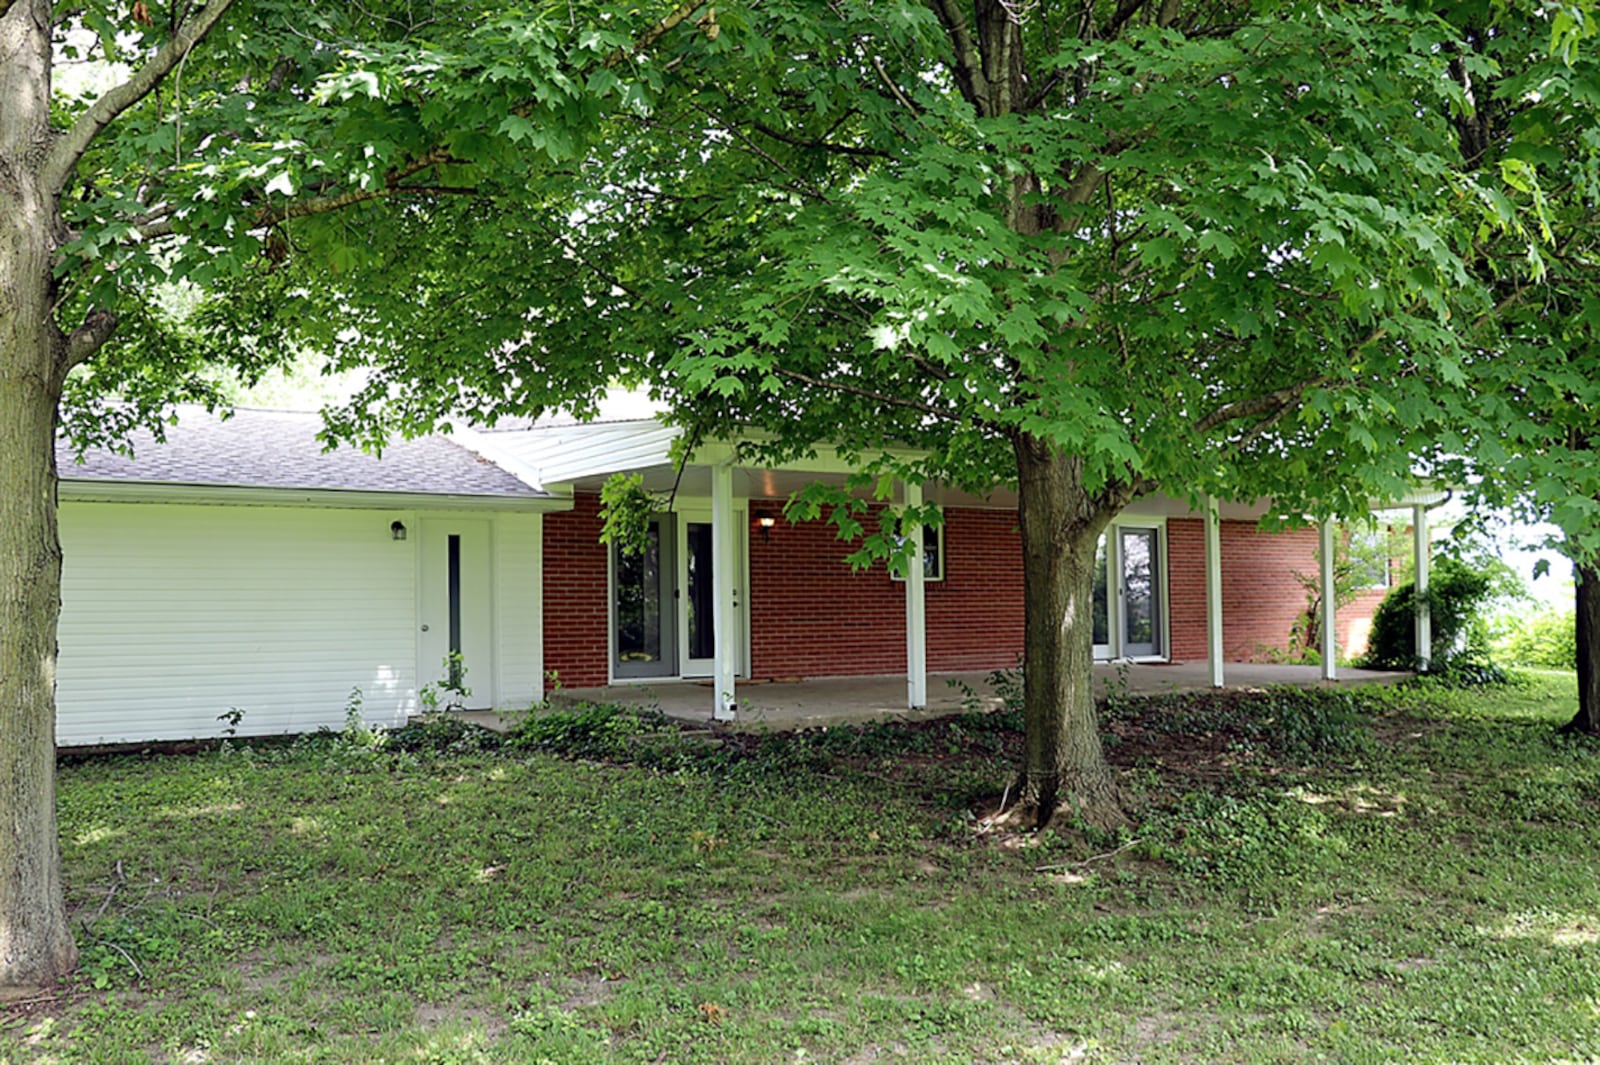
(99, 491)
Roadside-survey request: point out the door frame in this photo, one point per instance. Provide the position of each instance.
(1156, 647)
(667, 606)
(686, 510)
(699, 514)
(1115, 651)
(482, 676)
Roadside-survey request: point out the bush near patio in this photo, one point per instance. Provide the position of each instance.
(1371, 874)
(1459, 594)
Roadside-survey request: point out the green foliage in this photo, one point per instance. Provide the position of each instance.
(357, 734)
(1547, 638)
(1300, 726)
(442, 734)
(518, 907)
(589, 730)
(1249, 842)
(448, 693)
(1458, 596)
(625, 512)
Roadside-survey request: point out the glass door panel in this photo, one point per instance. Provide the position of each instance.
(699, 629)
(1141, 616)
(643, 620)
(1102, 599)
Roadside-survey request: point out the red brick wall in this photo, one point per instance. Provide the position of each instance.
(812, 616)
(1186, 588)
(1261, 599)
(975, 613)
(576, 611)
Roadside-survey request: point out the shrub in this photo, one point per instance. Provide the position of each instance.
(441, 733)
(1548, 638)
(1457, 594)
(589, 730)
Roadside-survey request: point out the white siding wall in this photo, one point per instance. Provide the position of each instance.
(172, 614)
(519, 582)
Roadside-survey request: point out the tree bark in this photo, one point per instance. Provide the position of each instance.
(36, 946)
(1064, 767)
(1588, 596)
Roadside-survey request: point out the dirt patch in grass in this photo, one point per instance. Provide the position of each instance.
(591, 990)
(437, 1014)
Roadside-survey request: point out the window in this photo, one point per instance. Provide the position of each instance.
(932, 553)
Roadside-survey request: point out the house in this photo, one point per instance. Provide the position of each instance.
(237, 577)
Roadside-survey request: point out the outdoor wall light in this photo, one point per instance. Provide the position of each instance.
(766, 521)
(397, 530)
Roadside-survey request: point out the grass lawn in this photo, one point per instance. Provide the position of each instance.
(1396, 875)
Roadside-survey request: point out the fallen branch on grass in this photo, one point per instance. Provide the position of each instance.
(1086, 861)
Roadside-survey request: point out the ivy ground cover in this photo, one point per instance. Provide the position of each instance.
(1394, 874)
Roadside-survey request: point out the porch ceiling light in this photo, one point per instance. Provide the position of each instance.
(397, 530)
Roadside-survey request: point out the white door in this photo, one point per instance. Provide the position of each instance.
(455, 647)
(696, 632)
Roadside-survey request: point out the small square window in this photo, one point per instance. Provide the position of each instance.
(932, 553)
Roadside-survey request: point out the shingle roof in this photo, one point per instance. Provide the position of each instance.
(280, 449)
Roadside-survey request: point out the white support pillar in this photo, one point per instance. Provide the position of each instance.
(1422, 550)
(1329, 622)
(916, 615)
(725, 654)
(1214, 591)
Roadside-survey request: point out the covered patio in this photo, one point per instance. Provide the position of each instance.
(729, 607)
(824, 701)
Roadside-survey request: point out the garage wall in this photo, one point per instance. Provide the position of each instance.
(173, 614)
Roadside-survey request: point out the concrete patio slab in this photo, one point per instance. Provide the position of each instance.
(858, 700)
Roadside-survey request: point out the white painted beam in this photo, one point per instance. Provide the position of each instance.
(724, 706)
(916, 614)
(1214, 591)
(1422, 551)
(1330, 604)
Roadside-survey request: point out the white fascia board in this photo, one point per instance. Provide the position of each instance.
(722, 452)
(483, 445)
(86, 491)
(1419, 496)
(566, 453)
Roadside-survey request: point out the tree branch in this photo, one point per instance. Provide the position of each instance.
(894, 90)
(969, 61)
(88, 338)
(66, 152)
(820, 145)
(866, 393)
(1265, 404)
(656, 32)
(1119, 18)
(270, 216)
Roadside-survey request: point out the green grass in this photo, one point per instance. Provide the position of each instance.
(1401, 875)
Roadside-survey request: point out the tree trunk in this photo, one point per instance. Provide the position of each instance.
(1588, 717)
(36, 945)
(1064, 767)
